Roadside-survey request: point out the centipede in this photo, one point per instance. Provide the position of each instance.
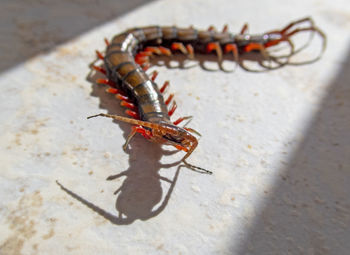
(127, 58)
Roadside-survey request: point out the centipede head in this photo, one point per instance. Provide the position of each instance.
(180, 138)
(165, 133)
(176, 136)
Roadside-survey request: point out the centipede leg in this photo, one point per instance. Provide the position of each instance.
(256, 46)
(261, 48)
(179, 46)
(145, 66)
(312, 29)
(165, 51)
(160, 50)
(173, 108)
(136, 129)
(193, 131)
(106, 42)
(154, 75)
(308, 19)
(244, 29)
(99, 55)
(107, 82)
(128, 105)
(141, 58)
(216, 46)
(163, 88)
(171, 96)
(233, 48)
(212, 28)
(128, 139)
(112, 91)
(132, 114)
(181, 119)
(190, 51)
(99, 69)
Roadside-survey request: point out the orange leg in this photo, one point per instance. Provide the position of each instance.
(99, 69)
(165, 51)
(112, 90)
(153, 50)
(122, 97)
(137, 129)
(145, 66)
(244, 29)
(132, 114)
(169, 99)
(181, 119)
(106, 81)
(173, 108)
(180, 148)
(215, 46)
(179, 46)
(190, 51)
(128, 139)
(99, 55)
(256, 46)
(106, 42)
(165, 85)
(141, 58)
(146, 133)
(154, 75)
(233, 48)
(128, 105)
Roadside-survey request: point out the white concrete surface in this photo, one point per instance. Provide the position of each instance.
(278, 143)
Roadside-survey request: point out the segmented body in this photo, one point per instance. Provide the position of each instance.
(122, 68)
(126, 59)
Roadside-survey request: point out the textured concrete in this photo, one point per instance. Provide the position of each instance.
(278, 142)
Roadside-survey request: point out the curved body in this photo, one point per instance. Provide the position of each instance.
(127, 57)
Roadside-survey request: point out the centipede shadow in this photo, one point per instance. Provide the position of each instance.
(137, 197)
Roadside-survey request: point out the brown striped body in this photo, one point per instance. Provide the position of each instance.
(130, 77)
